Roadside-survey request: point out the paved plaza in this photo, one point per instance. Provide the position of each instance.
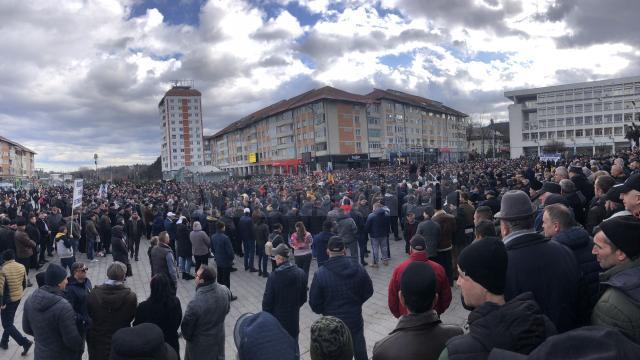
(249, 288)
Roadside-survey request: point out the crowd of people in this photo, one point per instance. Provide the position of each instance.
(546, 256)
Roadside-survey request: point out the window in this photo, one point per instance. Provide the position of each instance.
(373, 120)
(569, 121)
(628, 117)
(542, 124)
(607, 131)
(617, 131)
(617, 105)
(551, 123)
(617, 118)
(608, 106)
(597, 119)
(578, 109)
(569, 133)
(588, 132)
(579, 133)
(560, 110)
(607, 119)
(597, 131)
(560, 122)
(543, 135)
(588, 120)
(568, 109)
(374, 132)
(597, 107)
(525, 136)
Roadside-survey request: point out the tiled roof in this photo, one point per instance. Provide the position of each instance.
(23, 148)
(332, 93)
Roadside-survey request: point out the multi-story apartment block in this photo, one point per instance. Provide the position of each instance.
(16, 161)
(181, 119)
(328, 127)
(588, 117)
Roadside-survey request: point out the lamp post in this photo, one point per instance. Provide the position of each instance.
(95, 161)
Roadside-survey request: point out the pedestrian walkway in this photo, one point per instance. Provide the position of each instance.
(249, 287)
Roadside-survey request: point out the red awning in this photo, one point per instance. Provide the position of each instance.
(285, 162)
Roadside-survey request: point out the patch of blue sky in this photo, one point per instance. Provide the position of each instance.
(175, 12)
(397, 60)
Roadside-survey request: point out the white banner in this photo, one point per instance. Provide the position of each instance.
(78, 186)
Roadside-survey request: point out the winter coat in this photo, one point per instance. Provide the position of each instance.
(596, 214)
(443, 290)
(378, 224)
(167, 315)
(245, 229)
(171, 229)
(301, 246)
(135, 233)
(583, 185)
(119, 248)
(519, 326)
(261, 232)
(222, 249)
(24, 245)
(50, 319)
(63, 246)
(407, 340)
(447, 224)
(347, 229)
(284, 294)
(619, 305)
(548, 270)
(91, 231)
(33, 232)
(7, 238)
(203, 323)
(340, 287)
(77, 293)
(111, 307)
(200, 243)
(430, 230)
(313, 222)
(579, 242)
(163, 261)
(319, 246)
(13, 281)
(183, 239)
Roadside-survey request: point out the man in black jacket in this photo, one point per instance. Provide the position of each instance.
(286, 292)
(134, 230)
(536, 264)
(517, 325)
(34, 234)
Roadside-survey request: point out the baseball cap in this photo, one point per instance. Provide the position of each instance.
(632, 183)
(336, 244)
(418, 243)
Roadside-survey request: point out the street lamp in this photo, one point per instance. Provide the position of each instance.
(95, 161)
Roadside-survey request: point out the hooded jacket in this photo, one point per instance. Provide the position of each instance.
(619, 305)
(579, 242)
(111, 307)
(340, 287)
(346, 228)
(63, 246)
(50, 319)
(519, 326)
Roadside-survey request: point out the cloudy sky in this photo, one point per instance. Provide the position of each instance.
(79, 77)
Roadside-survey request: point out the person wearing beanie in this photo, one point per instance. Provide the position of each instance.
(12, 285)
(330, 340)
(518, 325)
(143, 341)
(418, 254)
(50, 318)
(111, 306)
(419, 333)
(617, 249)
(546, 268)
(339, 288)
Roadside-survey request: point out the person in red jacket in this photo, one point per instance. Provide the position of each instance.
(418, 253)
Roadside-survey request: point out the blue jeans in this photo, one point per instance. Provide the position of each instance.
(249, 253)
(381, 245)
(359, 345)
(67, 262)
(262, 259)
(185, 264)
(90, 244)
(8, 315)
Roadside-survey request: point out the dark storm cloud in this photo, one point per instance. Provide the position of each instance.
(597, 21)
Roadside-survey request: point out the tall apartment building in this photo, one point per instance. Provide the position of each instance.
(328, 127)
(16, 161)
(181, 119)
(588, 117)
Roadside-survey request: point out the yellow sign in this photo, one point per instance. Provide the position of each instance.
(253, 158)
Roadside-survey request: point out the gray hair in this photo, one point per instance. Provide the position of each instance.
(117, 271)
(520, 224)
(567, 186)
(197, 226)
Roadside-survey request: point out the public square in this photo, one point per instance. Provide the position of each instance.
(249, 288)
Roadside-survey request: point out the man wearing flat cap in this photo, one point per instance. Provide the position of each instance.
(536, 264)
(617, 249)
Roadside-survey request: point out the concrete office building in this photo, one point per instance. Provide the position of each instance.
(331, 128)
(588, 117)
(16, 161)
(181, 120)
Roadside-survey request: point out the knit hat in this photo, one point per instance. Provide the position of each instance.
(556, 199)
(144, 341)
(330, 340)
(623, 231)
(418, 286)
(54, 274)
(614, 193)
(282, 250)
(485, 261)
